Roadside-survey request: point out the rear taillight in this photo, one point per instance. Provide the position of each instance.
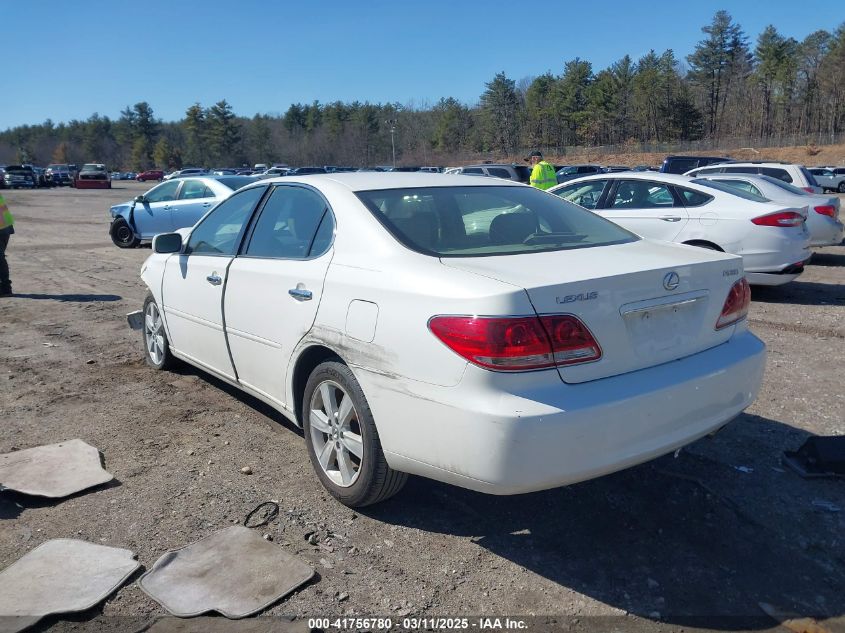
(781, 218)
(736, 305)
(517, 343)
(826, 209)
(809, 189)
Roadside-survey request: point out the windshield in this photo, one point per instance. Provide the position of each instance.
(715, 184)
(486, 221)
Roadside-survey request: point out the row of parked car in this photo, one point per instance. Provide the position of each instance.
(89, 176)
(769, 213)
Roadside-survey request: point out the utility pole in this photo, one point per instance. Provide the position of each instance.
(392, 124)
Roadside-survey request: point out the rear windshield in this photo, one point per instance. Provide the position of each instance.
(487, 221)
(785, 186)
(236, 182)
(715, 184)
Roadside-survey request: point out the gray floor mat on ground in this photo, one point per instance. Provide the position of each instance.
(53, 470)
(233, 571)
(60, 576)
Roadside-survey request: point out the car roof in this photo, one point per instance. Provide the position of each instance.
(657, 176)
(370, 180)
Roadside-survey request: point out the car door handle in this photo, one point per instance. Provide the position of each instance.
(671, 218)
(300, 294)
(206, 204)
(214, 279)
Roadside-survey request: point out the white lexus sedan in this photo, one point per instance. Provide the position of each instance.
(470, 330)
(771, 237)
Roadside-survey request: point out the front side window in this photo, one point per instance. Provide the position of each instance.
(585, 194)
(487, 221)
(218, 233)
(289, 225)
(641, 194)
(164, 192)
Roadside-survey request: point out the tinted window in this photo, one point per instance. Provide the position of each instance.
(218, 233)
(714, 184)
(585, 194)
(473, 170)
(641, 194)
(741, 170)
(499, 172)
(587, 170)
(163, 192)
(680, 165)
(693, 198)
(288, 223)
(498, 220)
(194, 189)
(775, 172)
(744, 185)
(236, 182)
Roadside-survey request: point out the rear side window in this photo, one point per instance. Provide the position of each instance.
(488, 221)
(680, 165)
(781, 174)
(744, 185)
(693, 198)
(714, 184)
(741, 170)
(473, 170)
(641, 194)
(499, 172)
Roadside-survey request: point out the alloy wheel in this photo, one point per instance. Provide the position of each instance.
(154, 334)
(336, 433)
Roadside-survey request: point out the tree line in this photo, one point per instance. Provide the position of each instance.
(727, 87)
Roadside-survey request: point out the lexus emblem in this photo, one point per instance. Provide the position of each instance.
(671, 281)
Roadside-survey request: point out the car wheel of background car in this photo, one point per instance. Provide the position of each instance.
(841, 188)
(122, 234)
(342, 440)
(156, 346)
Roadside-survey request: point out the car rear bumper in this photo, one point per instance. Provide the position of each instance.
(507, 434)
(826, 231)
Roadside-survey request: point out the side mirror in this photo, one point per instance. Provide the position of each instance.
(167, 243)
(140, 198)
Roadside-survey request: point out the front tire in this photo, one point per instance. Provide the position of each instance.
(156, 345)
(342, 440)
(122, 234)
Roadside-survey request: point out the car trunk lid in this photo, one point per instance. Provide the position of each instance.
(645, 302)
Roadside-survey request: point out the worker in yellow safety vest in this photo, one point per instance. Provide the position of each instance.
(7, 227)
(542, 174)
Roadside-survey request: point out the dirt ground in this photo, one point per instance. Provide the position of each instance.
(693, 541)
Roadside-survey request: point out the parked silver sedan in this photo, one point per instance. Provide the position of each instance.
(170, 205)
(822, 211)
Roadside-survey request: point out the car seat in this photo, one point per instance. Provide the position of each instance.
(512, 228)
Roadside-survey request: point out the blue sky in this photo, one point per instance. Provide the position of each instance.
(72, 59)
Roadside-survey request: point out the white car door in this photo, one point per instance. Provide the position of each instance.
(647, 208)
(194, 281)
(275, 285)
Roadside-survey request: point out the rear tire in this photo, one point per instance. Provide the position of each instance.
(342, 440)
(841, 187)
(122, 234)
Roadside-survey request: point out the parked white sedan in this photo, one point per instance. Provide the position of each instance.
(822, 210)
(771, 237)
(471, 330)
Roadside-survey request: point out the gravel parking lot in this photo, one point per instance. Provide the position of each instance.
(698, 540)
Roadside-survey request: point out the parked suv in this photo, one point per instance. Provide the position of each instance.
(828, 179)
(508, 171)
(683, 164)
(797, 175)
